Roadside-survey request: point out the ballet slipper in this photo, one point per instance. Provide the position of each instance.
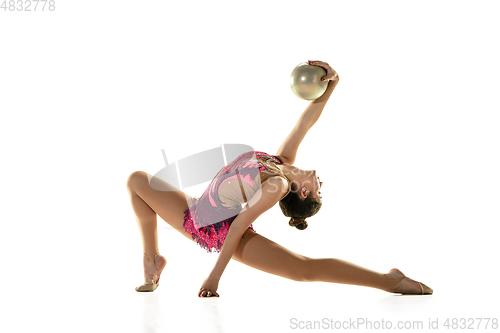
(151, 286)
(147, 287)
(407, 286)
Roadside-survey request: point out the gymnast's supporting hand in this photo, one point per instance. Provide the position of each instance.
(209, 287)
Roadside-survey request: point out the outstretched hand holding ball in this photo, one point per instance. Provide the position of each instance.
(310, 80)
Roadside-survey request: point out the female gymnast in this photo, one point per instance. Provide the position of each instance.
(221, 219)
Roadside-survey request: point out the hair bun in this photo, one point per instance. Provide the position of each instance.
(300, 224)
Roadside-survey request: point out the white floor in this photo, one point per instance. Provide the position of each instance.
(117, 307)
(87, 299)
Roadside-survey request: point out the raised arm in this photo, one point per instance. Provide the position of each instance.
(289, 147)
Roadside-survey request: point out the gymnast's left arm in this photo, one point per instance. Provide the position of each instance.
(315, 108)
(271, 191)
(289, 147)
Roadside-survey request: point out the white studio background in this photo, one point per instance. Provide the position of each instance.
(407, 146)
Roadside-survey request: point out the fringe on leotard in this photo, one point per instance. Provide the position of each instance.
(211, 238)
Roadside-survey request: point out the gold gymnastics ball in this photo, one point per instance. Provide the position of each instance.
(305, 81)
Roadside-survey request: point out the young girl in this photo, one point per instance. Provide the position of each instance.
(221, 219)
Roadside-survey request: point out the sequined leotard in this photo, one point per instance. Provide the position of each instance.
(209, 217)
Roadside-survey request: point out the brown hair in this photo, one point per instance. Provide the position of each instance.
(298, 208)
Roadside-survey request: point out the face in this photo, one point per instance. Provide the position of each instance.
(311, 186)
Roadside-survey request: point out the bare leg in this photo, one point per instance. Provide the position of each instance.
(345, 272)
(147, 222)
(263, 254)
(146, 203)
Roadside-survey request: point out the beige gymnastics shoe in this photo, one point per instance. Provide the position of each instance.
(408, 286)
(147, 287)
(154, 279)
